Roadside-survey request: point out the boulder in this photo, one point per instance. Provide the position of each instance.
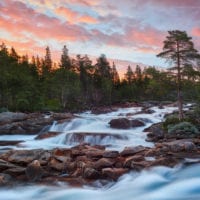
(24, 156)
(90, 173)
(137, 123)
(113, 173)
(129, 160)
(110, 154)
(8, 117)
(128, 151)
(34, 171)
(102, 163)
(180, 145)
(120, 123)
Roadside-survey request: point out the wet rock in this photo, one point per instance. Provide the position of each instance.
(168, 161)
(129, 160)
(113, 173)
(5, 179)
(24, 156)
(20, 123)
(102, 163)
(156, 132)
(5, 165)
(120, 123)
(137, 123)
(180, 145)
(93, 138)
(47, 135)
(56, 165)
(34, 171)
(10, 142)
(8, 117)
(15, 171)
(138, 166)
(128, 151)
(110, 154)
(90, 173)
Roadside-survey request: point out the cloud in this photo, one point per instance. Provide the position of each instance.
(75, 17)
(196, 31)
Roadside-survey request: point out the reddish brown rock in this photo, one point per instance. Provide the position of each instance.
(15, 171)
(128, 151)
(129, 160)
(47, 135)
(110, 154)
(24, 156)
(57, 165)
(34, 171)
(90, 173)
(102, 163)
(113, 173)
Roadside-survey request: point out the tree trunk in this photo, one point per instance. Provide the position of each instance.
(180, 100)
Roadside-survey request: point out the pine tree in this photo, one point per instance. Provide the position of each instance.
(129, 75)
(115, 75)
(65, 61)
(47, 61)
(179, 49)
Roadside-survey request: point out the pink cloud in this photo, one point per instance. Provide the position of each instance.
(75, 17)
(196, 31)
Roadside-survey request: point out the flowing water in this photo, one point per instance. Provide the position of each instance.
(159, 183)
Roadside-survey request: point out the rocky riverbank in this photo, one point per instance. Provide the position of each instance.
(33, 123)
(84, 163)
(88, 162)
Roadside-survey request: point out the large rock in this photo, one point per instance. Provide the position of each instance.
(24, 156)
(8, 117)
(124, 123)
(90, 173)
(21, 123)
(180, 145)
(102, 163)
(34, 171)
(129, 151)
(121, 123)
(113, 173)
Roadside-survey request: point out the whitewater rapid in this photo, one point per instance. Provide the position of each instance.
(96, 125)
(158, 183)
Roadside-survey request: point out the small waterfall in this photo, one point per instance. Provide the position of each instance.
(106, 139)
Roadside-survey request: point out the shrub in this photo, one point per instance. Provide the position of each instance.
(183, 128)
(171, 120)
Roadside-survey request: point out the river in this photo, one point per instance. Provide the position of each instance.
(158, 183)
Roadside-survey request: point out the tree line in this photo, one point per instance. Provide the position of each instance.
(36, 84)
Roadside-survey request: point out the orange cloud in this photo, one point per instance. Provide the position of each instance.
(75, 17)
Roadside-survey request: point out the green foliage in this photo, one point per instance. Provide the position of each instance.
(170, 121)
(183, 128)
(78, 84)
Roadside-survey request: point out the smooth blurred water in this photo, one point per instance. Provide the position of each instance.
(97, 124)
(159, 183)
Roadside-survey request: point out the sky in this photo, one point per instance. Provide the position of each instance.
(128, 31)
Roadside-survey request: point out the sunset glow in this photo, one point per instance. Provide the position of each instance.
(131, 30)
